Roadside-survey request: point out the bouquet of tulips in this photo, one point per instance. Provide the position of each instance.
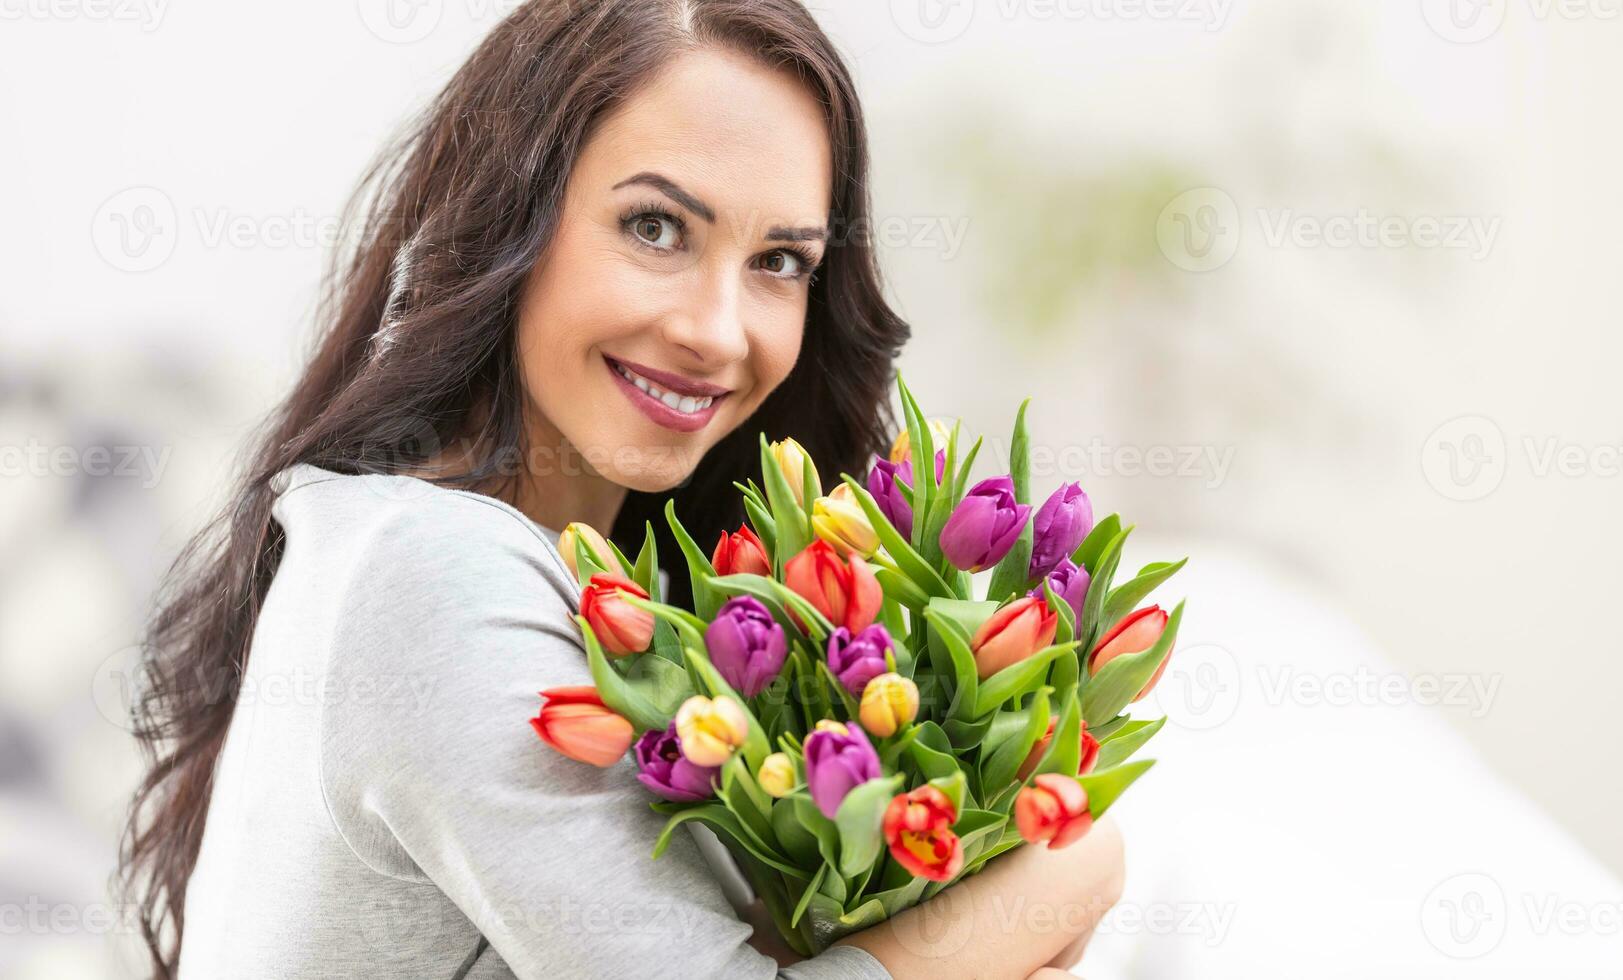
(858, 726)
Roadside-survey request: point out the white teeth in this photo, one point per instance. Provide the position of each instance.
(686, 405)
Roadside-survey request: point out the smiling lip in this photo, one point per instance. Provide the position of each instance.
(654, 407)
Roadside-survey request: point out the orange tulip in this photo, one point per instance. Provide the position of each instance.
(1134, 634)
(1053, 811)
(848, 594)
(575, 722)
(1089, 755)
(1013, 633)
(918, 830)
(621, 627)
(739, 553)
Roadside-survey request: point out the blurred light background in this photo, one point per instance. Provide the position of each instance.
(1326, 288)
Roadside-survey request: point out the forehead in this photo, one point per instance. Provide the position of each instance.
(743, 138)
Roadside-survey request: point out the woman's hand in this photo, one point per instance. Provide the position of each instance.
(1029, 910)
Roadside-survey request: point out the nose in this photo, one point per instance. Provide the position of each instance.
(708, 323)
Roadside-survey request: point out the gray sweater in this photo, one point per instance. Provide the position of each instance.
(381, 800)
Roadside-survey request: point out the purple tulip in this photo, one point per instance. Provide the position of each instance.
(882, 485)
(663, 769)
(837, 763)
(984, 526)
(1070, 582)
(858, 659)
(746, 644)
(1063, 520)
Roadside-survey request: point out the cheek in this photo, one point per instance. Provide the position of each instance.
(775, 347)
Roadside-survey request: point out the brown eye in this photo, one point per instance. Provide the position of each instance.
(656, 231)
(780, 263)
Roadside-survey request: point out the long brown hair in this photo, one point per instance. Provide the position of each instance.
(417, 349)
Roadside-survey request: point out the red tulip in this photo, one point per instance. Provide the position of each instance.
(848, 594)
(1089, 754)
(740, 553)
(1013, 633)
(1053, 811)
(621, 627)
(918, 829)
(574, 721)
(1134, 634)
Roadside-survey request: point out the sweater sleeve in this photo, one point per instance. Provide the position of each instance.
(550, 858)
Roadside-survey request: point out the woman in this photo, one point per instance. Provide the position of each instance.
(604, 260)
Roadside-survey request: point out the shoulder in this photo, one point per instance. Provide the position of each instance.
(394, 541)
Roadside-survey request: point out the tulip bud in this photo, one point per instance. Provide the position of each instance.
(596, 546)
(794, 462)
(848, 594)
(575, 722)
(1013, 633)
(889, 701)
(1070, 582)
(836, 763)
(1063, 520)
(740, 553)
(940, 434)
(746, 645)
(830, 725)
(855, 660)
(777, 775)
(1052, 811)
(984, 525)
(882, 485)
(1136, 633)
(667, 772)
(841, 521)
(620, 627)
(711, 729)
(1088, 756)
(918, 830)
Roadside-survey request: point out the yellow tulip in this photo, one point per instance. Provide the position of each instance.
(710, 729)
(840, 520)
(940, 434)
(794, 463)
(889, 701)
(596, 546)
(830, 725)
(777, 775)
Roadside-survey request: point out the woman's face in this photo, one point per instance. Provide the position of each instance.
(672, 298)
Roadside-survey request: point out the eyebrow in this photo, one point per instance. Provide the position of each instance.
(777, 233)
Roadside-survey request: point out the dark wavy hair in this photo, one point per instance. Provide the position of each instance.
(417, 350)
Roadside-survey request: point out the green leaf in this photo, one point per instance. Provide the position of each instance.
(1125, 597)
(663, 683)
(1064, 753)
(999, 771)
(908, 561)
(618, 695)
(1117, 684)
(1126, 740)
(1099, 587)
(788, 517)
(1087, 553)
(921, 448)
(1105, 788)
(748, 802)
(806, 897)
(900, 588)
(778, 599)
(798, 842)
(950, 649)
(705, 601)
(724, 821)
(858, 820)
(765, 529)
(1018, 679)
(933, 762)
(1010, 575)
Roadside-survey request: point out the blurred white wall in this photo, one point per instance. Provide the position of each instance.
(170, 180)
